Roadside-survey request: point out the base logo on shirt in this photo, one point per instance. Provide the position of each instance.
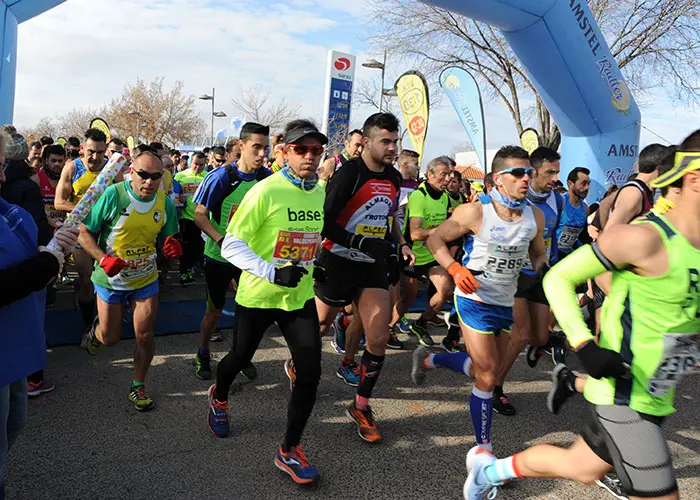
(157, 216)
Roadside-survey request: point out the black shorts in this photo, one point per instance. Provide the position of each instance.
(635, 445)
(218, 276)
(346, 278)
(530, 288)
(418, 271)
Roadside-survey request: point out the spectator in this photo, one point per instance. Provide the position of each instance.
(73, 148)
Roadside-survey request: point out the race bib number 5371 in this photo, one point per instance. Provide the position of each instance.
(295, 245)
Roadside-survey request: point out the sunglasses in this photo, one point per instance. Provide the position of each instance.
(302, 150)
(156, 176)
(518, 172)
(219, 161)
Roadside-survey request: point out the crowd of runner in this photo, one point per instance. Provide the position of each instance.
(338, 242)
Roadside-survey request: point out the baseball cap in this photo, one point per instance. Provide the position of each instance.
(295, 134)
(683, 163)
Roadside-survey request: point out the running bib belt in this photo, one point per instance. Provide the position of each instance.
(573, 221)
(359, 201)
(496, 255)
(189, 181)
(281, 223)
(82, 179)
(552, 208)
(128, 227)
(421, 204)
(654, 323)
(48, 196)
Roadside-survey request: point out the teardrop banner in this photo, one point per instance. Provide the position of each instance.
(100, 124)
(530, 140)
(412, 91)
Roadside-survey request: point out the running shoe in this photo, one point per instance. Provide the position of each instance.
(338, 340)
(501, 405)
(217, 336)
(611, 483)
(90, 342)
(563, 387)
(202, 366)
(477, 485)
(394, 342)
(559, 355)
(140, 399)
(364, 419)
(291, 373)
(403, 326)
(421, 332)
(418, 368)
(534, 353)
(451, 345)
(250, 372)
(363, 340)
(217, 416)
(37, 388)
(184, 279)
(349, 374)
(295, 463)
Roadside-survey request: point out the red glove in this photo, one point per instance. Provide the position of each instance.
(463, 278)
(172, 248)
(112, 265)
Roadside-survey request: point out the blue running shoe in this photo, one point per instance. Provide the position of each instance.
(217, 418)
(338, 341)
(403, 325)
(363, 340)
(295, 463)
(477, 485)
(349, 374)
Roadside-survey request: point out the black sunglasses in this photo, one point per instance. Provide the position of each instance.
(149, 175)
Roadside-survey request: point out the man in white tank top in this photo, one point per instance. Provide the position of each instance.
(499, 236)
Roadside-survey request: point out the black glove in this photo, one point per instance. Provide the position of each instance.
(602, 363)
(319, 274)
(377, 248)
(393, 269)
(544, 269)
(289, 275)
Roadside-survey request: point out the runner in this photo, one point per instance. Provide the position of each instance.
(643, 351)
(573, 221)
(120, 233)
(361, 197)
(192, 243)
(217, 199)
(498, 237)
(48, 177)
(77, 176)
(531, 309)
(273, 238)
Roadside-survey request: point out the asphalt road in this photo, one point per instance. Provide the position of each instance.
(85, 441)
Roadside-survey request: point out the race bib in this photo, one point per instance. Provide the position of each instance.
(141, 262)
(568, 237)
(680, 355)
(234, 208)
(373, 231)
(503, 263)
(189, 188)
(295, 245)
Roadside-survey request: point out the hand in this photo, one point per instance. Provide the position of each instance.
(463, 278)
(67, 237)
(542, 270)
(377, 248)
(601, 363)
(172, 248)
(408, 257)
(319, 275)
(290, 275)
(112, 265)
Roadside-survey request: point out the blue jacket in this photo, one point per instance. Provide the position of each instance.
(22, 340)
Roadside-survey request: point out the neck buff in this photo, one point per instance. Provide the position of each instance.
(536, 197)
(303, 184)
(506, 201)
(54, 176)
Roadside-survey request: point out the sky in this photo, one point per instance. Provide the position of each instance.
(83, 53)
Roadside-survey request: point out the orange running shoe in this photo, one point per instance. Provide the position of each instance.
(364, 419)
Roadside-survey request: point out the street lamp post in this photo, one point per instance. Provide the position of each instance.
(217, 114)
(374, 64)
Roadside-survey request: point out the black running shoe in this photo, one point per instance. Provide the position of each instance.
(502, 406)
(563, 387)
(611, 483)
(534, 353)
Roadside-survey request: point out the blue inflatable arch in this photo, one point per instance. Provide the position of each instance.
(570, 64)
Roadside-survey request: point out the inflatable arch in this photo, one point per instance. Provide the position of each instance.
(570, 64)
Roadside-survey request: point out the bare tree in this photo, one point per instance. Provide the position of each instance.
(76, 122)
(655, 43)
(256, 105)
(366, 93)
(45, 127)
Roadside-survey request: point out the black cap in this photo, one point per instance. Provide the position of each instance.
(294, 135)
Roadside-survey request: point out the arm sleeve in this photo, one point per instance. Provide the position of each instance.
(338, 193)
(560, 286)
(238, 253)
(171, 227)
(33, 204)
(26, 277)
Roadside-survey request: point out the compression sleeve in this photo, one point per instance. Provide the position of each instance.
(238, 253)
(560, 286)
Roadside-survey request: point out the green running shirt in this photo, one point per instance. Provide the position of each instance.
(432, 211)
(189, 182)
(654, 323)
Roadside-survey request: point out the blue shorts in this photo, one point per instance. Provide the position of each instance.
(123, 296)
(484, 318)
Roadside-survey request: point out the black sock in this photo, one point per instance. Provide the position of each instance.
(498, 390)
(369, 373)
(422, 321)
(87, 311)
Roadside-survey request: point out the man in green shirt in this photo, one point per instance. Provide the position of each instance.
(120, 233)
(648, 339)
(428, 207)
(217, 199)
(192, 243)
(273, 237)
